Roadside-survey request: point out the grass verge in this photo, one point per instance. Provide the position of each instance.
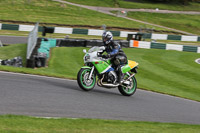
(11, 51)
(169, 72)
(47, 11)
(189, 23)
(18, 124)
(141, 4)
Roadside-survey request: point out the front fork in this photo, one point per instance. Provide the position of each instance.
(91, 72)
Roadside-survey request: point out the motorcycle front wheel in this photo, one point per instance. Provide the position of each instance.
(128, 90)
(83, 81)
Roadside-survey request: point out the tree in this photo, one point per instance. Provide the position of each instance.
(184, 2)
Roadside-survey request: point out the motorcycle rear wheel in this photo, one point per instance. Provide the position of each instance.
(83, 82)
(130, 89)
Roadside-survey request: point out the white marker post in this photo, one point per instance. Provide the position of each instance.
(1, 45)
(197, 61)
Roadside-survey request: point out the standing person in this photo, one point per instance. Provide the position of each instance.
(114, 51)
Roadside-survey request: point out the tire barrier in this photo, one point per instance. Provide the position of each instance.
(47, 30)
(150, 45)
(86, 43)
(16, 62)
(92, 43)
(43, 51)
(72, 42)
(97, 32)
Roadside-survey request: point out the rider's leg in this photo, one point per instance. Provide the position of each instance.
(119, 61)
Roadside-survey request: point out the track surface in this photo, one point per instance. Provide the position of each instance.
(51, 97)
(13, 39)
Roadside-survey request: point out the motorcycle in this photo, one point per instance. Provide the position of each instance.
(97, 67)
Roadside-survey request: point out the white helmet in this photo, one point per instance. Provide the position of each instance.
(107, 37)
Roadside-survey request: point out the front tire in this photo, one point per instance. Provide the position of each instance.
(83, 81)
(130, 89)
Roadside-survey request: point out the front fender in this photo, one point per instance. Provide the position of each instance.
(87, 67)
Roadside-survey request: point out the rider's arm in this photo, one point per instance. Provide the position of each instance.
(115, 50)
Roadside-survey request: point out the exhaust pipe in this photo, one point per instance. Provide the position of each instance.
(100, 83)
(110, 85)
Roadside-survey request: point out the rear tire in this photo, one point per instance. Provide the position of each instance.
(83, 82)
(130, 89)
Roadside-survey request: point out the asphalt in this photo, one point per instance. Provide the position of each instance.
(13, 39)
(52, 97)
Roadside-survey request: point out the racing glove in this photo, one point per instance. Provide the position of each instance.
(106, 56)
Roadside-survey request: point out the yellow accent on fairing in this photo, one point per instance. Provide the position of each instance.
(132, 64)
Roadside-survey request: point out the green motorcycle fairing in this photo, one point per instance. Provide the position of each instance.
(103, 66)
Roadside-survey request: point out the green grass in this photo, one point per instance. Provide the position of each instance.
(11, 51)
(47, 11)
(169, 72)
(189, 23)
(144, 5)
(23, 124)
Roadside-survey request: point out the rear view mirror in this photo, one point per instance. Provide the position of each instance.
(84, 51)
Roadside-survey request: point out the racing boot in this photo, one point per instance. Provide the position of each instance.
(120, 76)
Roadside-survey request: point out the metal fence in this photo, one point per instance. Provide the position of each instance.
(32, 40)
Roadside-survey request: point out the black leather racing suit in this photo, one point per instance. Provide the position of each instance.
(118, 57)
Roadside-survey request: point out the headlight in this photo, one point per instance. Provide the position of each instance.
(87, 57)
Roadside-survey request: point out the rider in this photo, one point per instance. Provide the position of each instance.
(114, 51)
